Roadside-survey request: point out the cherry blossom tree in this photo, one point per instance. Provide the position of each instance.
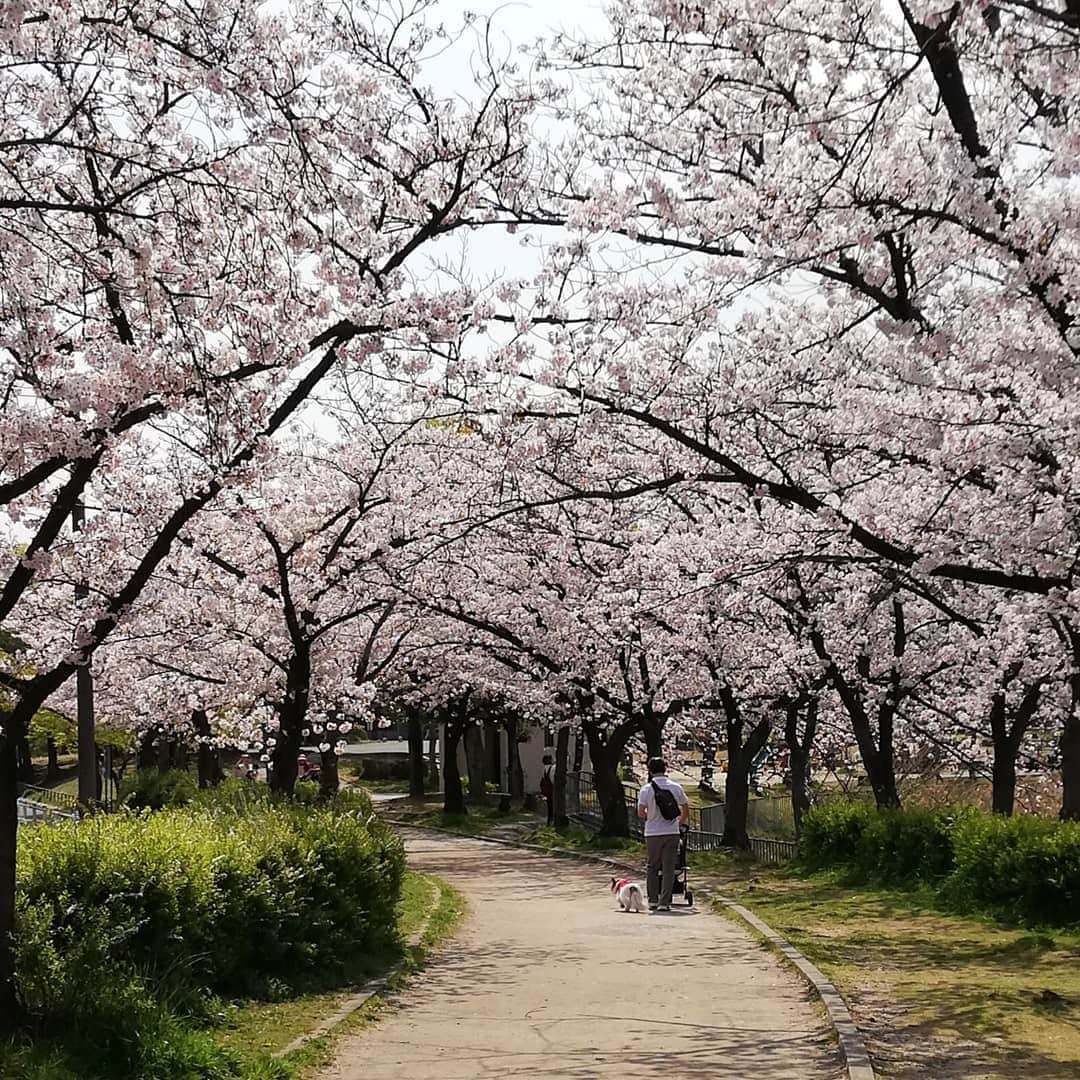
(827, 257)
(206, 213)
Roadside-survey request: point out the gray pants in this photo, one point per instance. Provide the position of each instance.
(662, 853)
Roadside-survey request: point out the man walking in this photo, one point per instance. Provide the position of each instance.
(664, 808)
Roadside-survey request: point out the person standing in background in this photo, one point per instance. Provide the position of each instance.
(547, 787)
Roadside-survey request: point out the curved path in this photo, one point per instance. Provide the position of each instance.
(548, 979)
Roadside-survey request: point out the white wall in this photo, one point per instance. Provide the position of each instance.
(531, 752)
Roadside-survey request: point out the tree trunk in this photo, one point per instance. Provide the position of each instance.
(292, 716)
(736, 803)
(579, 750)
(52, 769)
(453, 795)
(1003, 796)
(513, 760)
(1003, 770)
(799, 751)
(609, 790)
(15, 724)
(562, 757)
(89, 777)
(737, 788)
(208, 757)
(1070, 767)
(654, 738)
(740, 760)
(147, 755)
(879, 762)
(1008, 736)
(877, 758)
(706, 781)
(433, 757)
(329, 781)
(492, 762)
(474, 762)
(415, 732)
(284, 769)
(25, 766)
(1069, 743)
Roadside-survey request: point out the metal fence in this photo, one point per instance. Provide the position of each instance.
(706, 823)
(771, 818)
(49, 797)
(773, 851)
(33, 811)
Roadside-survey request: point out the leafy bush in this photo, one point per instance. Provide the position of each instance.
(153, 789)
(1024, 868)
(906, 847)
(833, 830)
(377, 766)
(240, 796)
(208, 899)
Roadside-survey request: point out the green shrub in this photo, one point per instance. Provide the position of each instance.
(154, 789)
(1024, 868)
(207, 899)
(240, 796)
(377, 766)
(908, 847)
(833, 830)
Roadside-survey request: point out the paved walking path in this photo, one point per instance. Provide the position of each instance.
(548, 979)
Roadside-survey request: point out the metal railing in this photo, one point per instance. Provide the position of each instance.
(49, 796)
(773, 851)
(771, 817)
(31, 812)
(706, 823)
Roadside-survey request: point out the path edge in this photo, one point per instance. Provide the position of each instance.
(370, 989)
(849, 1038)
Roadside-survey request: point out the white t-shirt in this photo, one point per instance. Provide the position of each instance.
(655, 822)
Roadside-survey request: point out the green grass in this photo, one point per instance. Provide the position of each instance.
(479, 820)
(390, 786)
(698, 798)
(574, 839)
(66, 787)
(309, 1059)
(951, 997)
(237, 1040)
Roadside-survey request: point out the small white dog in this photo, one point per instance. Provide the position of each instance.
(629, 894)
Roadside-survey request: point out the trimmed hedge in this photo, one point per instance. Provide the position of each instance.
(232, 895)
(1024, 868)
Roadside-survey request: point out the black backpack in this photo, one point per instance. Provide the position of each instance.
(665, 802)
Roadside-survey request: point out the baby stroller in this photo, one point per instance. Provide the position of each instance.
(682, 886)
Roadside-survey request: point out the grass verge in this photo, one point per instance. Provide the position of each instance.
(266, 1027)
(482, 820)
(935, 995)
(239, 1042)
(389, 787)
(441, 923)
(581, 840)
